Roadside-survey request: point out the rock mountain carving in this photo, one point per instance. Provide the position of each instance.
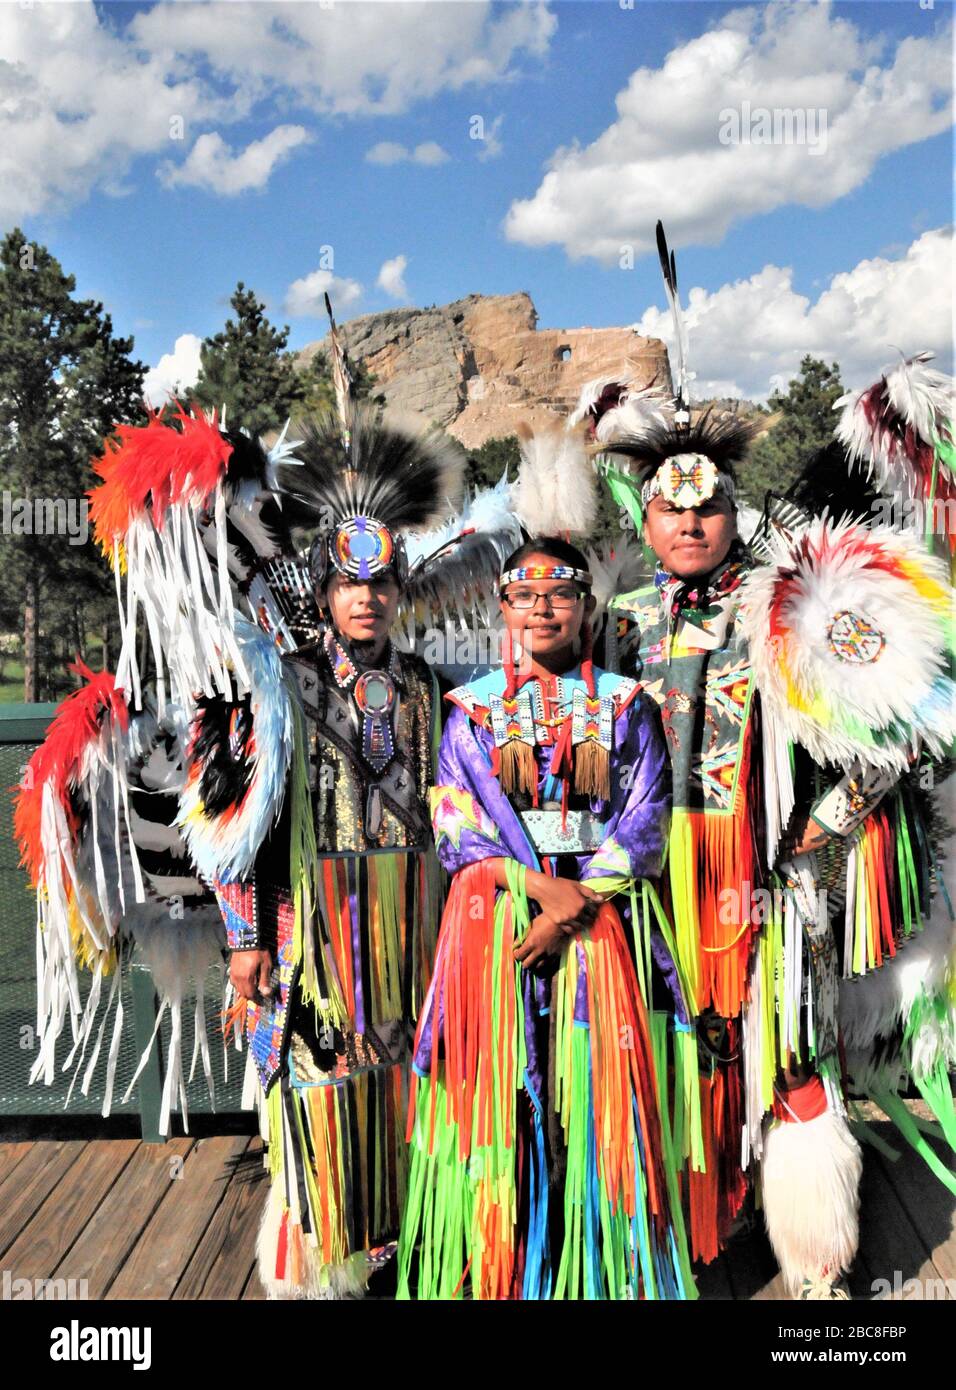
(481, 364)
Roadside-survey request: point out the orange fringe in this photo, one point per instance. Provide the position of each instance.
(717, 1195)
(722, 857)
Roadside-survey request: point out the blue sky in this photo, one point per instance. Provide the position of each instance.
(164, 256)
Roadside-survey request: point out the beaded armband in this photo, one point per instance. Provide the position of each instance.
(858, 792)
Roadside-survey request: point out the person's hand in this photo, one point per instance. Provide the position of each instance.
(249, 972)
(568, 904)
(543, 938)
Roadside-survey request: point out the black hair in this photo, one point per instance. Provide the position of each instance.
(552, 546)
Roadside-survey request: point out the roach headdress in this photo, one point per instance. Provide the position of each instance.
(387, 478)
(364, 478)
(684, 460)
(688, 464)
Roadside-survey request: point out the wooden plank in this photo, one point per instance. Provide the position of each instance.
(176, 1227)
(23, 1193)
(225, 1256)
(928, 1204)
(889, 1240)
(12, 1154)
(62, 1218)
(253, 1289)
(115, 1227)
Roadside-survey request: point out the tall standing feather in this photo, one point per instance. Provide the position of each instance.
(341, 377)
(669, 271)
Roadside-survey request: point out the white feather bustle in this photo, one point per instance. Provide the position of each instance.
(810, 1181)
(225, 845)
(813, 696)
(635, 412)
(347, 1280)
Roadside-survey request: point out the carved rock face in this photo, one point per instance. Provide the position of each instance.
(480, 364)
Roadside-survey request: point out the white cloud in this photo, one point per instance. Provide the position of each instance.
(664, 156)
(430, 152)
(305, 298)
(213, 166)
(352, 59)
(748, 337)
(83, 94)
(389, 152)
(175, 372)
(391, 277)
(78, 104)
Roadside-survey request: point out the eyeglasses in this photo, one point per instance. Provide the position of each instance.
(558, 600)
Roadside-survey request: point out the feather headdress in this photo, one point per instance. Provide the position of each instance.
(362, 491)
(722, 436)
(406, 476)
(684, 463)
(613, 409)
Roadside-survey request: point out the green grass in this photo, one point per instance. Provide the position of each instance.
(11, 683)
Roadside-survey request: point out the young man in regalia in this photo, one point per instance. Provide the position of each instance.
(768, 797)
(332, 933)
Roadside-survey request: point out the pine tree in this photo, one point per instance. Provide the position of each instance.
(487, 463)
(319, 393)
(65, 381)
(806, 424)
(246, 370)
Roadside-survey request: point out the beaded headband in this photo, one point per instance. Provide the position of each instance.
(544, 572)
(687, 480)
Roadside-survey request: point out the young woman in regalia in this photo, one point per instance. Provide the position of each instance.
(540, 1160)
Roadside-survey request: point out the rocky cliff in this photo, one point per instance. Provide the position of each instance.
(479, 365)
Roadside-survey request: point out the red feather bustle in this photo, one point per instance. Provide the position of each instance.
(58, 760)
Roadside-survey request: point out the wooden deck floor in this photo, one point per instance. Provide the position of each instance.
(179, 1220)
